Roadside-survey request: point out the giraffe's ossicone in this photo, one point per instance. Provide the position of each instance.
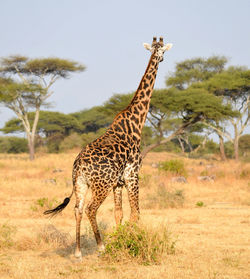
(113, 160)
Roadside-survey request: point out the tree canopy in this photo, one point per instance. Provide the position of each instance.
(195, 70)
(25, 86)
(233, 85)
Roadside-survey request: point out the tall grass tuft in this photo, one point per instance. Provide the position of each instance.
(163, 198)
(131, 242)
(6, 235)
(174, 166)
(43, 203)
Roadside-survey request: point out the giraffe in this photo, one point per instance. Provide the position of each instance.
(113, 160)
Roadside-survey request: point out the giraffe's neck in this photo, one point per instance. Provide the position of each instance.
(131, 120)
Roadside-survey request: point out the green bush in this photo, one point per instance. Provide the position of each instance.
(244, 144)
(211, 147)
(200, 204)
(170, 146)
(229, 149)
(131, 242)
(72, 141)
(174, 166)
(53, 142)
(13, 145)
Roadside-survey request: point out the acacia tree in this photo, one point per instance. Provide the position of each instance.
(195, 73)
(183, 109)
(25, 86)
(233, 85)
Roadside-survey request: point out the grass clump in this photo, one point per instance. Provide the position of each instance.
(43, 203)
(144, 179)
(6, 234)
(164, 198)
(245, 174)
(200, 204)
(50, 234)
(174, 166)
(131, 242)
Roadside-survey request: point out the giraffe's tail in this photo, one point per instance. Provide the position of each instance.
(59, 208)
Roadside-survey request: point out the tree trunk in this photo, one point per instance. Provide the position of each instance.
(181, 145)
(176, 133)
(30, 136)
(202, 145)
(236, 141)
(31, 146)
(154, 145)
(236, 148)
(188, 144)
(222, 149)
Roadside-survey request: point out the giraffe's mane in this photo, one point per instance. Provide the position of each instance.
(131, 102)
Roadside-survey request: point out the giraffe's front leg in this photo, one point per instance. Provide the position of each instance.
(118, 203)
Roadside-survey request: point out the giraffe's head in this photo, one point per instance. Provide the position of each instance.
(158, 48)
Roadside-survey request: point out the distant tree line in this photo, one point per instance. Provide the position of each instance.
(202, 97)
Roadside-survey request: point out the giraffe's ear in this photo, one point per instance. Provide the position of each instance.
(147, 46)
(167, 47)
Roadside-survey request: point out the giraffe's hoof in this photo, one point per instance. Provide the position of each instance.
(101, 249)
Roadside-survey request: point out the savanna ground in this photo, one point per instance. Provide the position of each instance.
(208, 220)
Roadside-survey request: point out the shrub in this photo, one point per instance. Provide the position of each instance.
(163, 198)
(53, 142)
(244, 144)
(13, 145)
(204, 173)
(131, 242)
(70, 142)
(200, 204)
(229, 149)
(170, 146)
(220, 174)
(144, 179)
(50, 234)
(6, 234)
(174, 166)
(211, 147)
(245, 174)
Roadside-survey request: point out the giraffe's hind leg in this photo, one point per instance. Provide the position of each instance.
(132, 185)
(97, 199)
(133, 197)
(81, 188)
(118, 203)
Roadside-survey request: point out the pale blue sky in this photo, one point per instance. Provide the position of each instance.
(107, 37)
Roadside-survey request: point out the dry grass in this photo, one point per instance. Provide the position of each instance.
(212, 239)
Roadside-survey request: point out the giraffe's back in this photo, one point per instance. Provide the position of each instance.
(103, 161)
